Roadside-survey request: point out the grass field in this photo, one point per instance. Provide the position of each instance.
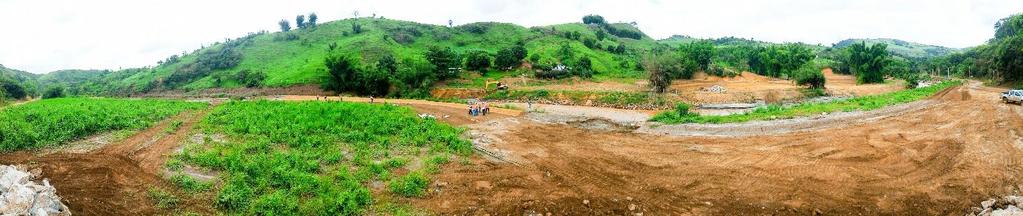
(865, 103)
(318, 158)
(56, 121)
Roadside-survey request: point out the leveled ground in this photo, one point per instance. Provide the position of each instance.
(633, 93)
(922, 162)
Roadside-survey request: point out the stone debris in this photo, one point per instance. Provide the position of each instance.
(716, 89)
(21, 196)
(1006, 206)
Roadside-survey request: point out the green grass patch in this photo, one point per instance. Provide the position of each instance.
(190, 184)
(162, 198)
(865, 103)
(53, 122)
(412, 185)
(315, 158)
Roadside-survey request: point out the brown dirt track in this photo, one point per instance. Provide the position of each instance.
(941, 160)
(114, 179)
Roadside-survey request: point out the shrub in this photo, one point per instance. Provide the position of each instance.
(682, 109)
(250, 79)
(510, 57)
(54, 92)
(810, 76)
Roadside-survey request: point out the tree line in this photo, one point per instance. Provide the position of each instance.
(1000, 58)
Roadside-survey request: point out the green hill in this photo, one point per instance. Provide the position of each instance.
(17, 84)
(905, 49)
(297, 57)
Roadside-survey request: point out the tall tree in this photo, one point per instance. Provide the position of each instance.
(300, 21)
(444, 60)
(868, 63)
(701, 52)
(312, 20)
(285, 25)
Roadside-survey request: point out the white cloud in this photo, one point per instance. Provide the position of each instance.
(41, 35)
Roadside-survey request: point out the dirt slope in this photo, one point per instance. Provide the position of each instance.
(113, 180)
(938, 160)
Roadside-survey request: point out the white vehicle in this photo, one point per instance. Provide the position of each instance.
(1013, 96)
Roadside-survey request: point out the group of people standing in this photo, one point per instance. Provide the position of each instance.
(478, 107)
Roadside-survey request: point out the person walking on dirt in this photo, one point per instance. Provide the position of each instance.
(371, 99)
(486, 108)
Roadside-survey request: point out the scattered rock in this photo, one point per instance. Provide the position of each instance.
(716, 89)
(1006, 206)
(632, 207)
(987, 203)
(586, 202)
(21, 196)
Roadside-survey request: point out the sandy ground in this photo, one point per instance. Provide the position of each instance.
(113, 179)
(942, 159)
(942, 156)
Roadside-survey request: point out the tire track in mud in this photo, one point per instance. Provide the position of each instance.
(114, 179)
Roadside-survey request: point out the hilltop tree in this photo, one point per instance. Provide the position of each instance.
(300, 21)
(312, 20)
(285, 25)
(593, 19)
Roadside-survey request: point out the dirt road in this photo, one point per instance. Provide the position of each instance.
(114, 179)
(943, 159)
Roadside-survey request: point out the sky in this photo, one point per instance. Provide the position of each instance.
(40, 36)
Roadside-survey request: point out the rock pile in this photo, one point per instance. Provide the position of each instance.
(1006, 206)
(20, 196)
(716, 89)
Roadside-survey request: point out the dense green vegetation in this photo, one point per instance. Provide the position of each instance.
(15, 84)
(866, 103)
(56, 121)
(317, 158)
(1000, 59)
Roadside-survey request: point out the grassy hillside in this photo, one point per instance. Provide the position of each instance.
(297, 57)
(902, 48)
(12, 81)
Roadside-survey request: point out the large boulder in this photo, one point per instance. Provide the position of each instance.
(19, 195)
